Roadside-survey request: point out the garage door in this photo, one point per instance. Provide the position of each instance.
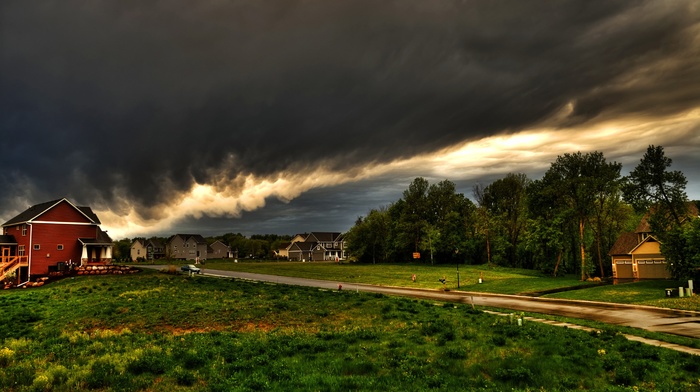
(652, 269)
(624, 269)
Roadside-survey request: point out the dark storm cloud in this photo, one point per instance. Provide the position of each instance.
(141, 99)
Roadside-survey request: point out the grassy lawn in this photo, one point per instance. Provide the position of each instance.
(158, 332)
(495, 279)
(650, 292)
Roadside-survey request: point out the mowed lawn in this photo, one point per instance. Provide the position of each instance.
(495, 280)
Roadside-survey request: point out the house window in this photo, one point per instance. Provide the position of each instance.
(59, 247)
(24, 230)
(138, 251)
(37, 247)
(20, 250)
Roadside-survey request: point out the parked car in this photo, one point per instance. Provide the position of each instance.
(191, 268)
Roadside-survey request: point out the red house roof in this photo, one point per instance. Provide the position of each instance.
(35, 211)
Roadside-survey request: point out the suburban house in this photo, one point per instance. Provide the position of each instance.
(187, 247)
(282, 252)
(151, 249)
(316, 246)
(51, 237)
(637, 255)
(219, 250)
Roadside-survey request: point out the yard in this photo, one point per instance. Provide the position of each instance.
(160, 332)
(495, 280)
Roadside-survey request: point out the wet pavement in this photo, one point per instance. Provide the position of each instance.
(677, 322)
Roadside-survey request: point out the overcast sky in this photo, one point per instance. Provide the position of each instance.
(250, 116)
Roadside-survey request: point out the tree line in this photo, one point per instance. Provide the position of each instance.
(564, 222)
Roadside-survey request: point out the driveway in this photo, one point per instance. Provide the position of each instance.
(677, 322)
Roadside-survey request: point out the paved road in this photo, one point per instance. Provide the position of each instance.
(684, 323)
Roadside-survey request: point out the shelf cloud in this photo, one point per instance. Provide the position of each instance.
(159, 113)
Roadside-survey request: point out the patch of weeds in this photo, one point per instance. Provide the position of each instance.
(498, 340)
(151, 361)
(518, 374)
(193, 359)
(624, 376)
(103, 374)
(455, 352)
(359, 368)
(184, 377)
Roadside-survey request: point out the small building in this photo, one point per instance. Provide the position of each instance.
(50, 237)
(187, 247)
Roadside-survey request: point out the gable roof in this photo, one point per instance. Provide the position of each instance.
(644, 241)
(37, 210)
(302, 246)
(624, 244)
(102, 239)
(186, 237)
(156, 243)
(323, 236)
(219, 243)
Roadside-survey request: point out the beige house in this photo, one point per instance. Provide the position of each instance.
(638, 255)
(219, 250)
(187, 247)
(138, 249)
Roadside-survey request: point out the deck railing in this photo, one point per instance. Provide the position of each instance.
(9, 263)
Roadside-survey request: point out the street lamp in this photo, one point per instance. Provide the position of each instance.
(456, 253)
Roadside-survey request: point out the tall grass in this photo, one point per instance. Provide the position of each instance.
(158, 332)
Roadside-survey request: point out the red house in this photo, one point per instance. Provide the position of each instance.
(50, 237)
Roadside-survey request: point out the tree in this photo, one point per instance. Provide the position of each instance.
(681, 247)
(505, 200)
(576, 179)
(651, 187)
(651, 184)
(122, 249)
(414, 214)
(605, 186)
(483, 219)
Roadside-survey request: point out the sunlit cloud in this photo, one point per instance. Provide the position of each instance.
(529, 151)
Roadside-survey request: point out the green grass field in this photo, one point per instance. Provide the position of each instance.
(495, 280)
(160, 332)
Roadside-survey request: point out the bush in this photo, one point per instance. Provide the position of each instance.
(170, 270)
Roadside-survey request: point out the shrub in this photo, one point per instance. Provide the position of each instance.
(170, 270)
(6, 356)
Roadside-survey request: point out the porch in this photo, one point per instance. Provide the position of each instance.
(10, 260)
